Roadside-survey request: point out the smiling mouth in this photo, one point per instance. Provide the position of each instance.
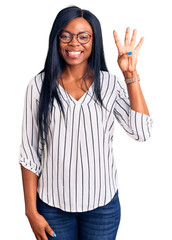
(74, 54)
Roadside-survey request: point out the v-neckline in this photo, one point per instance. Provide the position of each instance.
(70, 96)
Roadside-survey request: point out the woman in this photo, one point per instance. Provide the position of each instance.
(69, 173)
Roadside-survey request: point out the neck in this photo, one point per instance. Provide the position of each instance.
(74, 72)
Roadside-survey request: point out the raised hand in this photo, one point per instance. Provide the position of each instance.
(127, 63)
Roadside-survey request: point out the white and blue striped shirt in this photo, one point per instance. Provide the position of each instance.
(77, 171)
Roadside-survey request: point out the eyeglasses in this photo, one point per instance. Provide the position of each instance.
(82, 37)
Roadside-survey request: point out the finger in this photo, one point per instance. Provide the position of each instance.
(117, 41)
(49, 230)
(36, 236)
(124, 56)
(40, 236)
(127, 36)
(139, 44)
(44, 237)
(133, 39)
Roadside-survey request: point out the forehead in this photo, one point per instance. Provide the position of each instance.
(77, 25)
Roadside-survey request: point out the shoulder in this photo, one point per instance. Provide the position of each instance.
(108, 78)
(34, 85)
(112, 79)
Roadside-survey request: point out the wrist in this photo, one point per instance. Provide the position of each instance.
(32, 212)
(131, 74)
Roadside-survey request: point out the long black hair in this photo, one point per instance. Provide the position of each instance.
(55, 64)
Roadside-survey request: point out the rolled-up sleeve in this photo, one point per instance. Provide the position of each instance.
(28, 154)
(137, 125)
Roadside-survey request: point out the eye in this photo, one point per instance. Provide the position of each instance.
(64, 35)
(83, 36)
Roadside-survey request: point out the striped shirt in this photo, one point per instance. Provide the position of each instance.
(77, 170)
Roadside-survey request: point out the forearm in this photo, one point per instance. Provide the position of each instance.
(137, 100)
(30, 190)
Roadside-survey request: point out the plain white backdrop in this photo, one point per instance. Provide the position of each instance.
(144, 168)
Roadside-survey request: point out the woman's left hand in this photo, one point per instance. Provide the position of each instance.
(127, 63)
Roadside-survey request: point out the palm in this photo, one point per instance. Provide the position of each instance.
(127, 62)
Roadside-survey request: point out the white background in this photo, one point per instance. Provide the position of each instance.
(144, 168)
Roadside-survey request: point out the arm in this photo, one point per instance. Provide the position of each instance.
(130, 107)
(30, 190)
(137, 124)
(31, 167)
(29, 158)
(137, 100)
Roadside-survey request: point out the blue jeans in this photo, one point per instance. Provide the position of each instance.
(100, 223)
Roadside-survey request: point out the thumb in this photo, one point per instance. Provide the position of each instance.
(50, 230)
(124, 55)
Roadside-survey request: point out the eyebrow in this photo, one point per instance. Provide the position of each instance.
(77, 33)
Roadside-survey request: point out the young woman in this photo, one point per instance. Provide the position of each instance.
(68, 168)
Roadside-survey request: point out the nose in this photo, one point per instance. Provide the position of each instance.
(74, 40)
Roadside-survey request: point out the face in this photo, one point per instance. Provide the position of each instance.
(75, 26)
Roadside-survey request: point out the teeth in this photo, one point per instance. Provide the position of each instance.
(74, 53)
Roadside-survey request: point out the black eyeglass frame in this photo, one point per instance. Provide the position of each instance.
(72, 34)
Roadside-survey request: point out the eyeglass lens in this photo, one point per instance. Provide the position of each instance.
(82, 37)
